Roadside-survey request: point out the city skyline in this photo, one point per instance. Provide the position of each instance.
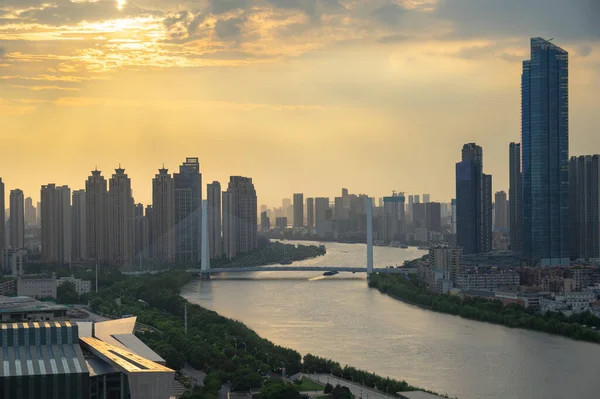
(139, 78)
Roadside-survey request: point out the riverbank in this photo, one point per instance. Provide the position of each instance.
(479, 309)
(226, 349)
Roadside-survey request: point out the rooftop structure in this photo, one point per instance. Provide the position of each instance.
(23, 308)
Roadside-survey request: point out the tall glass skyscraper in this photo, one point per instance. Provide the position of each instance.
(545, 159)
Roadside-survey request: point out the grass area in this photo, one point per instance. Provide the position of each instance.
(309, 385)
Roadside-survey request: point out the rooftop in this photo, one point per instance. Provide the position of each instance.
(418, 395)
(26, 304)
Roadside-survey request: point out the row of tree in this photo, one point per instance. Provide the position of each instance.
(493, 311)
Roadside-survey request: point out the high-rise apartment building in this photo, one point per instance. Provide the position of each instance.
(188, 212)
(433, 215)
(393, 216)
(56, 224)
(310, 213)
(2, 221)
(298, 210)
(38, 213)
(239, 216)
(473, 202)
(121, 220)
(426, 198)
(163, 201)
(29, 211)
(96, 213)
(17, 219)
(584, 197)
(419, 217)
(501, 210)
(215, 242)
(265, 223)
(545, 146)
(149, 217)
(79, 228)
(321, 207)
(142, 235)
(515, 197)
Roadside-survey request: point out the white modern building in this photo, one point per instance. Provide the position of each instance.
(81, 286)
(37, 287)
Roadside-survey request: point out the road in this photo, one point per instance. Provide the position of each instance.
(357, 390)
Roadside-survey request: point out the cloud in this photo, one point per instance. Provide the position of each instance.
(2, 51)
(583, 51)
(389, 14)
(229, 29)
(223, 6)
(395, 39)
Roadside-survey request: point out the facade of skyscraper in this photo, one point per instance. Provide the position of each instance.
(473, 202)
(163, 206)
(310, 213)
(419, 216)
(78, 229)
(265, 223)
(298, 210)
(148, 216)
(96, 213)
(584, 197)
(393, 217)
(229, 225)
(17, 219)
(215, 241)
(321, 207)
(29, 211)
(188, 212)
(121, 220)
(545, 158)
(142, 235)
(2, 221)
(515, 198)
(426, 198)
(240, 216)
(501, 210)
(56, 224)
(433, 214)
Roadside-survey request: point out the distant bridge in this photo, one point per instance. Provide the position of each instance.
(300, 269)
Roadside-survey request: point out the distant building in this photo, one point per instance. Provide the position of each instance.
(515, 197)
(473, 202)
(239, 216)
(281, 223)
(96, 213)
(265, 224)
(298, 210)
(8, 287)
(447, 259)
(121, 219)
(545, 154)
(321, 207)
(489, 281)
(79, 229)
(142, 234)
(426, 198)
(433, 216)
(13, 261)
(215, 241)
(188, 212)
(30, 218)
(584, 207)
(17, 219)
(56, 224)
(81, 286)
(163, 232)
(501, 210)
(37, 287)
(310, 213)
(393, 217)
(419, 216)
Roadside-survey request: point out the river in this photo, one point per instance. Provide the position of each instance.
(340, 318)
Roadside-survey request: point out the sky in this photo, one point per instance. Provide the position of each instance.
(301, 95)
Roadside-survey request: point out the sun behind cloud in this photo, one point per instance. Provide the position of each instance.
(121, 4)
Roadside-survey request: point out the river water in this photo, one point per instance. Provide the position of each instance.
(340, 318)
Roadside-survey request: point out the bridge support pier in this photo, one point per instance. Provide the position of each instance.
(204, 276)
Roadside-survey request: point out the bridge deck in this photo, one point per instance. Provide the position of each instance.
(300, 269)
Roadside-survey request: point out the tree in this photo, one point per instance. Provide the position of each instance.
(279, 390)
(66, 293)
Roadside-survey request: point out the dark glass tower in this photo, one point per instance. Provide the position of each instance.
(515, 196)
(188, 212)
(473, 202)
(545, 159)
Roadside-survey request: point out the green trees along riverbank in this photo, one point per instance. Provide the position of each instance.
(226, 349)
(480, 309)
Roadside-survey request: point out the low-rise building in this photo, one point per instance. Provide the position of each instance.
(487, 280)
(22, 308)
(37, 287)
(14, 259)
(574, 302)
(81, 286)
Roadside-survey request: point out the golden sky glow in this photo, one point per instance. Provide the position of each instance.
(303, 96)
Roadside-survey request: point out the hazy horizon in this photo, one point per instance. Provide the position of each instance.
(307, 96)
